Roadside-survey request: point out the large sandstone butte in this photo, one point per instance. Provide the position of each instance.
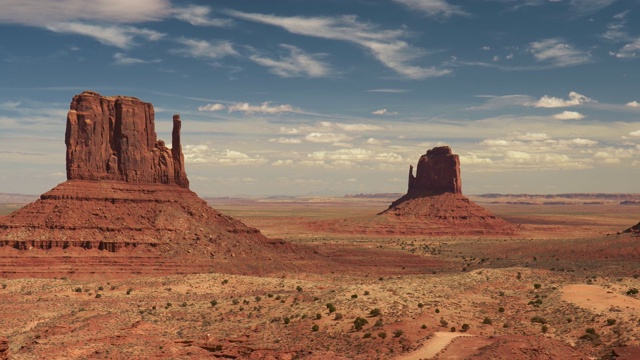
(126, 207)
(435, 196)
(634, 230)
(114, 138)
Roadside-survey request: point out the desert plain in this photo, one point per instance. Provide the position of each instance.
(562, 285)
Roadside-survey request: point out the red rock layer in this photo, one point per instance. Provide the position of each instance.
(168, 223)
(114, 138)
(438, 172)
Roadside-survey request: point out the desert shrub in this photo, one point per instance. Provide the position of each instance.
(366, 292)
(398, 333)
(338, 316)
(437, 311)
(269, 295)
(590, 335)
(420, 305)
(444, 323)
(538, 319)
(465, 327)
(169, 305)
(359, 323)
(278, 297)
(315, 328)
(318, 316)
(537, 286)
(213, 302)
(506, 325)
(98, 296)
(487, 321)
(100, 288)
(113, 287)
(286, 320)
(378, 323)
(129, 290)
(591, 331)
(78, 290)
(545, 328)
(632, 291)
(375, 312)
(501, 309)
(299, 289)
(519, 276)
(235, 301)
(366, 335)
(258, 298)
(184, 304)
(611, 322)
(501, 293)
(354, 296)
(423, 326)
(4, 286)
(245, 302)
(225, 282)
(453, 329)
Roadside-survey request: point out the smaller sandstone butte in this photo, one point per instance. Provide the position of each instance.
(634, 230)
(435, 196)
(438, 172)
(114, 138)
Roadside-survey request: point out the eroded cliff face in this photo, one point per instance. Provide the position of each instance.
(114, 138)
(438, 172)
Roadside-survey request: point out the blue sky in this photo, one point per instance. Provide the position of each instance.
(333, 97)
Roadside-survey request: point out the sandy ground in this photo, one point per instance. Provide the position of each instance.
(601, 300)
(433, 346)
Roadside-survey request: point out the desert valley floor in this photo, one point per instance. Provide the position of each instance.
(562, 285)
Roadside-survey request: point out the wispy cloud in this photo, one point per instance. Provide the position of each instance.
(264, 108)
(44, 13)
(586, 7)
(118, 36)
(205, 49)
(203, 154)
(122, 59)
(197, 15)
(296, 63)
(384, 112)
(554, 102)
(384, 45)
(630, 50)
(557, 53)
(434, 8)
(497, 102)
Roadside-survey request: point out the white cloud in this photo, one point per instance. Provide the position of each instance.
(121, 59)
(205, 49)
(42, 13)
(497, 102)
(264, 108)
(554, 102)
(533, 137)
(557, 53)
(203, 154)
(630, 50)
(374, 141)
(635, 133)
(211, 107)
(384, 45)
(290, 131)
(319, 137)
(580, 141)
(436, 8)
(283, 140)
(199, 16)
(473, 159)
(568, 115)
(633, 104)
(118, 36)
(384, 112)
(358, 127)
(297, 63)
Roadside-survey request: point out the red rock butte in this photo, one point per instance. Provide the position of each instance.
(126, 207)
(435, 196)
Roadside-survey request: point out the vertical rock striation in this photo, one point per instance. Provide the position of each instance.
(114, 138)
(438, 172)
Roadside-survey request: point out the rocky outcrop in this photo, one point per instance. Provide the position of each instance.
(438, 172)
(114, 138)
(634, 230)
(435, 196)
(4, 348)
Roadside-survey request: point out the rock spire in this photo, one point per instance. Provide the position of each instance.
(438, 172)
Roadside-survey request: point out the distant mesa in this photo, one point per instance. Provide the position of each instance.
(126, 207)
(434, 195)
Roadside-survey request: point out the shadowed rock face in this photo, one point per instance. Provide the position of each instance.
(114, 138)
(438, 172)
